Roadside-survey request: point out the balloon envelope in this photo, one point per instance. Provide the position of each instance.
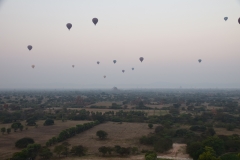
(98, 62)
(73, 66)
(104, 76)
(225, 18)
(114, 61)
(95, 20)
(141, 59)
(199, 60)
(123, 71)
(29, 47)
(239, 20)
(69, 26)
(33, 66)
(132, 68)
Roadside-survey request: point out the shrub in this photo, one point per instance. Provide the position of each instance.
(150, 125)
(150, 156)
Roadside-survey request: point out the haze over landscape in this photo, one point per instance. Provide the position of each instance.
(119, 79)
(170, 35)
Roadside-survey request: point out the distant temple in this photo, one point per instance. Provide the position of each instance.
(115, 88)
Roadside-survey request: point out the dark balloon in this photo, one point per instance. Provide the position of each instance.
(225, 18)
(29, 47)
(69, 26)
(73, 66)
(98, 62)
(132, 68)
(199, 60)
(123, 71)
(141, 59)
(95, 20)
(114, 61)
(33, 66)
(104, 76)
(239, 20)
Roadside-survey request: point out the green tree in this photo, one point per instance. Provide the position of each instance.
(58, 149)
(194, 149)
(45, 153)
(230, 156)
(20, 155)
(208, 154)
(134, 150)
(150, 156)
(23, 142)
(216, 143)
(32, 150)
(3, 130)
(103, 150)
(150, 125)
(101, 134)
(15, 127)
(8, 130)
(65, 150)
(48, 122)
(79, 150)
(47, 144)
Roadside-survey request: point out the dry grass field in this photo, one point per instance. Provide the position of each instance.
(224, 131)
(40, 135)
(125, 135)
(104, 103)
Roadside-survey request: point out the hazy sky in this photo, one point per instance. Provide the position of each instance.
(171, 35)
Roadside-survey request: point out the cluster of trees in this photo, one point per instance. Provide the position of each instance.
(160, 140)
(16, 126)
(64, 149)
(219, 145)
(24, 142)
(118, 150)
(31, 152)
(4, 129)
(70, 132)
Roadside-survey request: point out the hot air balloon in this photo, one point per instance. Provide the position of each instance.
(132, 68)
(98, 62)
(225, 18)
(69, 26)
(29, 47)
(33, 66)
(239, 20)
(123, 71)
(141, 59)
(95, 20)
(199, 60)
(73, 66)
(104, 76)
(114, 61)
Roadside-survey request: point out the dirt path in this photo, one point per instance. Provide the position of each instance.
(178, 150)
